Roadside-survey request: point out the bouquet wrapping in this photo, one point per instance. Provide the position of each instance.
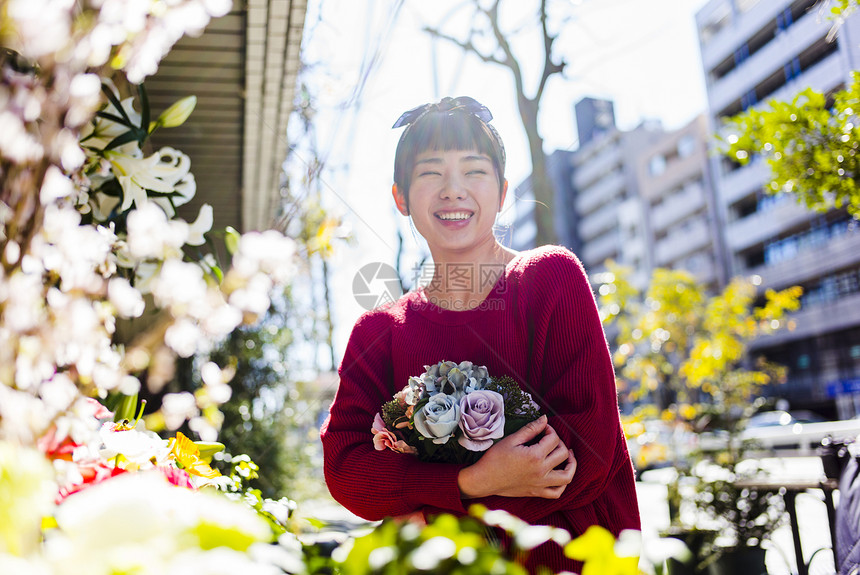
(452, 413)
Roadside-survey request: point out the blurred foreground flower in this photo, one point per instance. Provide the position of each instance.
(602, 555)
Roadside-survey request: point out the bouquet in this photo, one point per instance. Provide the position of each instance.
(452, 413)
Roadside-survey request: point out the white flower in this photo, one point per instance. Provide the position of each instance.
(102, 205)
(127, 300)
(201, 225)
(184, 337)
(270, 252)
(83, 98)
(135, 176)
(254, 296)
(27, 491)
(163, 538)
(58, 393)
(69, 150)
(55, 185)
(15, 142)
(177, 408)
(24, 308)
(138, 445)
(151, 235)
(179, 285)
(79, 254)
(41, 26)
(221, 319)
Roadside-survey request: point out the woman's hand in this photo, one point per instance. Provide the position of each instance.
(513, 469)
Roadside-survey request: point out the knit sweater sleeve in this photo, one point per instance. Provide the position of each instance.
(575, 382)
(376, 484)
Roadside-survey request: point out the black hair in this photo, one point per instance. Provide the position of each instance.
(446, 126)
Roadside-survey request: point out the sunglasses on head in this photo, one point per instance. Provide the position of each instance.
(464, 103)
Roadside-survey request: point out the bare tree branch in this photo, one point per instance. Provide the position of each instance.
(510, 60)
(467, 45)
(503, 55)
(549, 67)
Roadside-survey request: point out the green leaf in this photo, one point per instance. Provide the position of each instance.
(116, 104)
(208, 449)
(126, 408)
(213, 535)
(130, 136)
(114, 118)
(144, 108)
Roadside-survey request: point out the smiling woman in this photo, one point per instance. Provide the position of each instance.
(531, 315)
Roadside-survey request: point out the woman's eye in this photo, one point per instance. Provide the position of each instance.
(428, 173)
(476, 172)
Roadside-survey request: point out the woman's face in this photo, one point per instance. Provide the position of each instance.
(453, 199)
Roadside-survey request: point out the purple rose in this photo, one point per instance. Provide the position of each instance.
(482, 419)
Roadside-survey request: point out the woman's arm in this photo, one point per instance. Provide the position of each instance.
(376, 484)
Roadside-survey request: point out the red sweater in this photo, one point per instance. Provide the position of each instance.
(539, 325)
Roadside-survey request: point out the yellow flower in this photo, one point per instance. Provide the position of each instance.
(596, 549)
(187, 455)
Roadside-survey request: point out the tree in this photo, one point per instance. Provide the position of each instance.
(810, 143)
(679, 344)
(492, 44)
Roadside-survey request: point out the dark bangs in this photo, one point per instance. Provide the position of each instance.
(442, 131)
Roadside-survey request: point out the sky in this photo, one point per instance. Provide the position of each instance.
(371, 61)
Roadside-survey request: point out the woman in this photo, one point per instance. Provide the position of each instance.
(530, 315)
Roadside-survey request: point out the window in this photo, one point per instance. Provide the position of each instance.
(686, 146)
(657, 165)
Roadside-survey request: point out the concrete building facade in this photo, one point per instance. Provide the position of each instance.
(754, 51)
(675, 187)
(611, 215)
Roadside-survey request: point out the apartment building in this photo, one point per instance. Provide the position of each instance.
(754, 51)
(611, 220)
(675, 188)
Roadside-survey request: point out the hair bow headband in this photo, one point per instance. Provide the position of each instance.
(464, 103)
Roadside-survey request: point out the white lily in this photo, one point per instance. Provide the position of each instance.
(161, 173)
(200, 226)
(135, 177)
(174, 168)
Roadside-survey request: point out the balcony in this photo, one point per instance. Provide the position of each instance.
(838, 253)
(817, 320)
(823, 77)
(601, 163)
(682, 242)
(678, 207)
(597, 223)
(604, 191)
(744, 182)
(678, 171)
(762, 226)
(758, 67)
(724, 42)
(595, 252)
